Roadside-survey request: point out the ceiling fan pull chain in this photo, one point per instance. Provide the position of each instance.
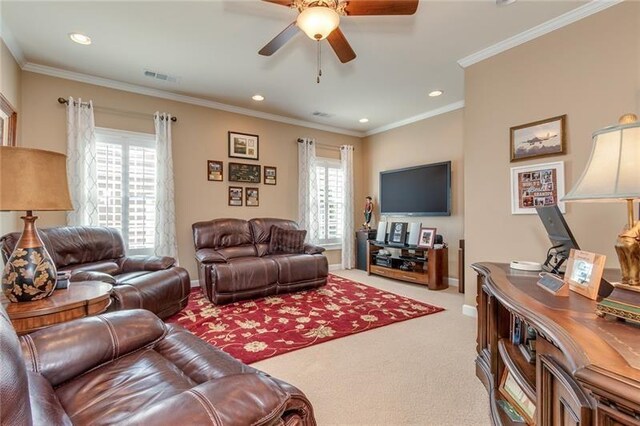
(319, 63)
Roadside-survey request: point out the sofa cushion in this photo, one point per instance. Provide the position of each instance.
(105, 266)
(221, 233)
(286, 240)
(298, 268)
(245, 273)
(261, 229)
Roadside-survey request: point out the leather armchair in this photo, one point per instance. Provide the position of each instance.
(98, 254)
(129, 368)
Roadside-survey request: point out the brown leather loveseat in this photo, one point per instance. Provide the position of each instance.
(129, 368)
(235, 262)
(97, 253)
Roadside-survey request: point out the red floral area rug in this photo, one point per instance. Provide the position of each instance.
(259, 329)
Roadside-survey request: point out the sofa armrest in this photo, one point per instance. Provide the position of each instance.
(66, 350)
(145, 263)
(210, 256)
(313, 249)
(240, 399)
(92, 276)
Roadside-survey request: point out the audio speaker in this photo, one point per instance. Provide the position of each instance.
(414, 233)
(381, 236)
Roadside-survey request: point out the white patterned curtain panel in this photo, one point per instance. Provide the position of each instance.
(308, 189)
(348, 245)
(81, 163)
(165, 235)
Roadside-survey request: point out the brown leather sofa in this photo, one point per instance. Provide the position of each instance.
(129, 368)
(234, 262)
(97, 253)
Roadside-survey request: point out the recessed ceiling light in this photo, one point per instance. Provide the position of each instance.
(257, 98)
(436, 93)
(504, 2)
(364, 120)
(80, 38)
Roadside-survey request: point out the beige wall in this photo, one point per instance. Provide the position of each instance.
(199, 135)
(587, 70)
(428, 141)
(10, 88)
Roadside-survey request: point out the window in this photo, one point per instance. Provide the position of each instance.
(127, 186)
(330, 204)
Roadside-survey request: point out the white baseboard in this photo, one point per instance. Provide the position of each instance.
(469, 311)
(335, 267)
(453, 282)
(195, 283)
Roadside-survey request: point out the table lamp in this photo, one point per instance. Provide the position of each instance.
(613, 174)
(31, 179)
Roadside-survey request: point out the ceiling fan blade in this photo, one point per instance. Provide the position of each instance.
(280, 2)
(341, 46)
(279, 40)
(381, 7)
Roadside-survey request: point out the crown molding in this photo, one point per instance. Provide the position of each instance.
(12, 45)
(442, 110)
(163, 94)
(570, 17)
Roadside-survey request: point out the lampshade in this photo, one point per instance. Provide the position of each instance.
(317, 22)
(613, 170)
(33, 179)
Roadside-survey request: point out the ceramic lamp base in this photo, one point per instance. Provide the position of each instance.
(29, 274)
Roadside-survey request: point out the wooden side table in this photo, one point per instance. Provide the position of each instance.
(81, 299)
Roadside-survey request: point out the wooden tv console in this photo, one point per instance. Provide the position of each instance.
(585, 369)
(431, 265)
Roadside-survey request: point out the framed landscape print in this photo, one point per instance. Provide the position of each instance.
(537, 185)
(245, 173)
(8, 123)
(252, 197)
(243, 145)
(214, 171)
(235, 196)
(538, 139)
(270, 175)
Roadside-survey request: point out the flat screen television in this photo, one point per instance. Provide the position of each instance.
(417, 191)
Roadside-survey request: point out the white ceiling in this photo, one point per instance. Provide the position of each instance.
(212, 47)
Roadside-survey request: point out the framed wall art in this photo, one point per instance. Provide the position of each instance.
(584, 271)
(235, 196)
(427, 237)
(539, 139)
(252, 197)
(245, 173)
(270, 175)
(244, 145)
(537, 185)
(8, 123)
(215, 171)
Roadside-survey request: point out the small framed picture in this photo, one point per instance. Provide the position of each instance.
(270, 175)
(252, 197)
(513, 393)
(398, 232)
(537, 185)
(235, 196)
(214, 171)
(244, 145)
(427, 237)
(8, 123)
(584, 271)
(538, 139)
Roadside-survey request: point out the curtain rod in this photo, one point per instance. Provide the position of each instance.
(322, 145)
(65, 101)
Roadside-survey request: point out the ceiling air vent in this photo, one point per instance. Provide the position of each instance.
(321, 114)
(160, 76)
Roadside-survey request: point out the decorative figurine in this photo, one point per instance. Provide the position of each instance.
(368, 212)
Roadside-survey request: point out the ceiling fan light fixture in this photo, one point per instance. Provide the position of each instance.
(318, 22)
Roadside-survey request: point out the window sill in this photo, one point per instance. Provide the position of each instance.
(332, 246)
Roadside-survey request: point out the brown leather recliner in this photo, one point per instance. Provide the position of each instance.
(129, 368)
(97, 254)
(234, 262)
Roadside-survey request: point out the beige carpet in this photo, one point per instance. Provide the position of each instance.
(417, 372)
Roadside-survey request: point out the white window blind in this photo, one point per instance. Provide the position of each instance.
(127, 186)
(330, 193)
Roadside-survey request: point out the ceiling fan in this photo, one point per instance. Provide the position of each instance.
(319, 19)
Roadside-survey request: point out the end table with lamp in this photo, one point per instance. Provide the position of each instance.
(613, 174)
(31, 179)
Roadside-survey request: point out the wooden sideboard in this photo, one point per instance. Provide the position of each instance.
(586, 369)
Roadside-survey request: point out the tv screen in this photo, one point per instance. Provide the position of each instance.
(417, 191)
